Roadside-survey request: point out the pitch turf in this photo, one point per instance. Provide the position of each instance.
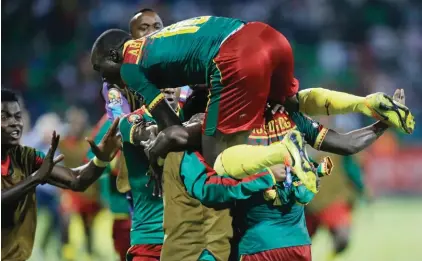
(386, 230)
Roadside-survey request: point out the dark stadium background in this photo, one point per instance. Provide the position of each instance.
(357, 46)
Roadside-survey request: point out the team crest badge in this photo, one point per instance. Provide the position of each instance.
(134, 118)
(115, 97)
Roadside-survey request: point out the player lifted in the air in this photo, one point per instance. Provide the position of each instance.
(244, 65)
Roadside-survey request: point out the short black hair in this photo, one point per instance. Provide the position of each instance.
(8, 95)
(143, 10)
(110, 40)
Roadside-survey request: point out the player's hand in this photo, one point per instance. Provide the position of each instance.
(279, 172)
(153, 147)
(156, 176)
(109, 145)
(399, 96)
(49, 161)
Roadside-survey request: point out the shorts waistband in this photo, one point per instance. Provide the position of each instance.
(232, 33)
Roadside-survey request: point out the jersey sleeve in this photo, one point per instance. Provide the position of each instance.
(210, 188)
(136, 80)
(125, 129)
(296, 191)
(97, 134)
(301, 193)
(38, 159)
(313, 130)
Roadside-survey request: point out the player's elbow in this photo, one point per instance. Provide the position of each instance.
(78, 186)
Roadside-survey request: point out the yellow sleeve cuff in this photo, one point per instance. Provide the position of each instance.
(320, 138)
(154, 102)
(99, 163)
(132, 131)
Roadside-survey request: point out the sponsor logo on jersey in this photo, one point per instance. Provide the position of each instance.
(274, 130)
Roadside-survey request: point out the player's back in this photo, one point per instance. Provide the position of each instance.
(183, 52)
(269, 225)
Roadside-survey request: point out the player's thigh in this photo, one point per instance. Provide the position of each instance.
(215, 144)
(238, 94)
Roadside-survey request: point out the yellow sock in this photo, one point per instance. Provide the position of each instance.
(241, 161)
(319, 101)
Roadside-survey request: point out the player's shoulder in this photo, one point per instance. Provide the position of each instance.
(132, 51)
(23, 151)
(25, 155)
(141, 114)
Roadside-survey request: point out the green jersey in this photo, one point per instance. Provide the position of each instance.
(116, 201)
(182, 52)
(147, 219)
(269, 225)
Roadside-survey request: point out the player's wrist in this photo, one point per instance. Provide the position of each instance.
(100, 163)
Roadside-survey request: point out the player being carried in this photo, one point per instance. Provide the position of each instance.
(218, 51)
(23, 168)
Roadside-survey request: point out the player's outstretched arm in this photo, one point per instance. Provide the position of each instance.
(354, 141)
(357, 140)
(172, 139)
(38, 177)
(204, 184)
(80, 178)
(154, 100)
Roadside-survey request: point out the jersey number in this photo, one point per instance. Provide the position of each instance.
(189, 26)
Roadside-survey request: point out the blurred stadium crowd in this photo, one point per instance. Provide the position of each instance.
(358, 46)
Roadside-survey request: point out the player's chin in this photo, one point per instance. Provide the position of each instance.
(172, 103)
(12, 141)
(112, 75)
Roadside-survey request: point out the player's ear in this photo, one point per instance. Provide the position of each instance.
(114, 56)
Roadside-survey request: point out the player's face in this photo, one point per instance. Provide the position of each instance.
(110, 74)
(11, 123)
(171, 96)
(145, 23)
